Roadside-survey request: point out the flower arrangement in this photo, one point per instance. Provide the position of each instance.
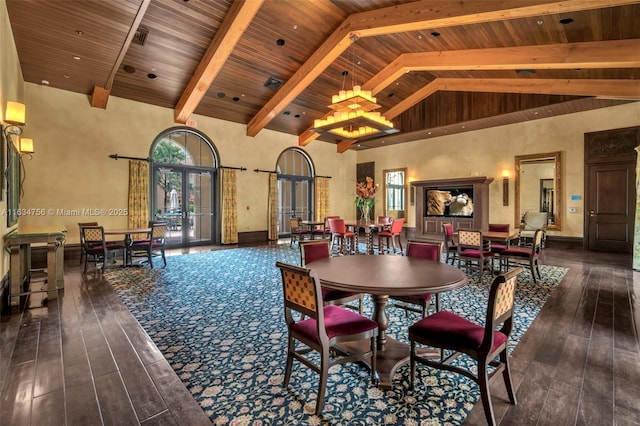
(365, 196)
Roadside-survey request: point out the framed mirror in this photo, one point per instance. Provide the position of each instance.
(395, 192)
(538, 186)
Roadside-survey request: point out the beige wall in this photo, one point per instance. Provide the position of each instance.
(71, 168)
(488, 152)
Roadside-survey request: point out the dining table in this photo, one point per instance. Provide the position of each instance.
(127, 232)
(499, 237)
(369, 227)
(381, 277)
(312, 225)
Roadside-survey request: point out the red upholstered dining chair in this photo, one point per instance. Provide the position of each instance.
(392, 235)
(499, 227)
(153, 245)
(525, 256)
(450, 246)
(420, 302)
(320, 328)
(447, 331)
(311, 250)
(96, 248)
(472, 253)
(298, 232)
(341, 236)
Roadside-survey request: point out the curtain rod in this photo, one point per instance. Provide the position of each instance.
(272, 171)
(116, 157)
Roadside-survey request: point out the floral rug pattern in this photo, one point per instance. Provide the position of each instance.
(218, 319)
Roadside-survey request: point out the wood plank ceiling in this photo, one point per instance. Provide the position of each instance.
(436, 67)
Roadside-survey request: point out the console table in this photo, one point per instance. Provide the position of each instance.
(18, 243)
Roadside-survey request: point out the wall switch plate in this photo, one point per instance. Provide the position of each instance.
(573, 210)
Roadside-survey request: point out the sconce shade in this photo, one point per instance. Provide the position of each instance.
(505, 173)
(25, 146)
(15, 113)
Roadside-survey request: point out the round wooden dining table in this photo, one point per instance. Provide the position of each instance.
(381, 277)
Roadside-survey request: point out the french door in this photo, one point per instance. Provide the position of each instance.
(183, 198)
(294, 200)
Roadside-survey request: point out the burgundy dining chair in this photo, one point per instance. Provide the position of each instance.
(499, 227)
(450, 246)
(311, 250)
(320, 328)
(485, 344)
(472, 252)
(420, 302)
(525, 256)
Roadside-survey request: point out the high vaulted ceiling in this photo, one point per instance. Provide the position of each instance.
(436, 66)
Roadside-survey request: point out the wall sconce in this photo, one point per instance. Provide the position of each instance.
(412, 191)
(505, 187)
(25, 146)
(14, 118)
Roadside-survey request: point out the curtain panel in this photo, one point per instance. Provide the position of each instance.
(138, 207)
(273, 207)
(322, 198)
(229, 207)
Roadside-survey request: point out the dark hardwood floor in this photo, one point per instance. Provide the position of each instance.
(83, 359)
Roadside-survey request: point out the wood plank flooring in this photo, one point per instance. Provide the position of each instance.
(83, 359)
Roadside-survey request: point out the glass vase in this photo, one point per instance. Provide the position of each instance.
(365, 209)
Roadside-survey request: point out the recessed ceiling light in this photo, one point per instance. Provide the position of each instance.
(539, 22)
(536, 113)
(297, 116)
(77, 58)
(67, 76)
(79, 33)
(280, 42)
(129, 69)
(45, 82)
(221, 95)
(566, 21)
(286, 113)
(236, 99)
(152, 76)
(435, 33)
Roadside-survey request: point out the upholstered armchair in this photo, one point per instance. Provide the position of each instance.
(531, 221)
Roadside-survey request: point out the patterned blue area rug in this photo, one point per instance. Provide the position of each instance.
(218, 319)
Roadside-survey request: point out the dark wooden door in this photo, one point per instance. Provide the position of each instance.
(610, 176)
(611, 210)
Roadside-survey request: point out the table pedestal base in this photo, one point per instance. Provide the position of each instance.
(393, 356)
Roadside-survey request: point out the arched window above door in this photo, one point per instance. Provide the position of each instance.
(184, 146)
(295, 162)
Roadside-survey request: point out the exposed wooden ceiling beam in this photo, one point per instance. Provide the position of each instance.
(603, 54)
(603, 88)
(599, 54)
(100, 95)
(235, 23)
(413, 16)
